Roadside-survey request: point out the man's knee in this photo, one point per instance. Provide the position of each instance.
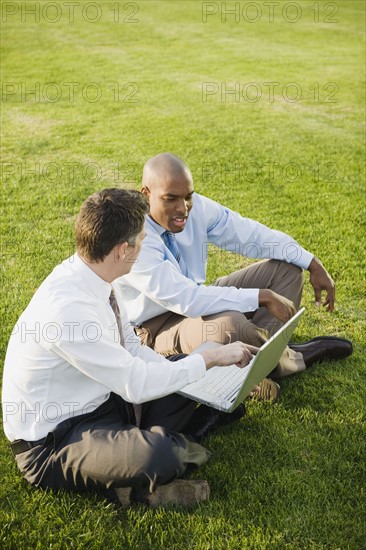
(158, 460)
(291, 271)
(229, 327)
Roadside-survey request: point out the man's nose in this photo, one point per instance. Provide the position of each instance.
(182, 207)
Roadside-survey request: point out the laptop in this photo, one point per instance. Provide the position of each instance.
(224, 388)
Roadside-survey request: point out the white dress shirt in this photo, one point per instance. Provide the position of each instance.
(156, 285)
(64, 356)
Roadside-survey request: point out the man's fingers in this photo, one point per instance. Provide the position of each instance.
(321, 280)
(290, 312)
(246, 355)
(252, 349)
(290, 309)
(330, 303)
(318, 296)
(331, 298)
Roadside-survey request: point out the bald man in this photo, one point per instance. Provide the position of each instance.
(175, 312)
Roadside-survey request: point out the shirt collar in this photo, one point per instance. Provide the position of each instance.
(100, 288)
(158, 228)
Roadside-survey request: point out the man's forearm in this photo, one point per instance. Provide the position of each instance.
(315, 264)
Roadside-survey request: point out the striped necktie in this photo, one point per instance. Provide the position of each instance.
(171, 243)
(117, 314)
(133, 411)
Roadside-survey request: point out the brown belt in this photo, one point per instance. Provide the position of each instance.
(20, 446)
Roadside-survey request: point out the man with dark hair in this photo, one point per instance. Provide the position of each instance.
(176, 312)
(106, 219)
(85, 406)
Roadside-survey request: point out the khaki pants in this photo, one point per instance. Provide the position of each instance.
(171, 333)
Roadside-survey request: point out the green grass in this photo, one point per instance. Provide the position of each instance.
(290, 475)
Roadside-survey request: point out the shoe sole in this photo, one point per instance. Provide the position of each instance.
(181, 492)
(186, 493)
(269, 391)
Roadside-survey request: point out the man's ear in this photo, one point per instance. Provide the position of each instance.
(121, 250)
(145, 191)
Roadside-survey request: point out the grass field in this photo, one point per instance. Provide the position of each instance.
(84, 105)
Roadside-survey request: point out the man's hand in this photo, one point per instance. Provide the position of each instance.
(321, 280)
(277, 305)
(236, 353)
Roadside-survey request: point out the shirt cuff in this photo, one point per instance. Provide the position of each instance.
(305, 259)
(249, 299)
(196, 367)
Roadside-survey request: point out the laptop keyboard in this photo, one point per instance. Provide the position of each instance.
(223, 385)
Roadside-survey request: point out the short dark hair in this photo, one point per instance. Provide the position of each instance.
(107, 218)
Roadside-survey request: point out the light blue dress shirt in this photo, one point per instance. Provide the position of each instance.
(156, 285)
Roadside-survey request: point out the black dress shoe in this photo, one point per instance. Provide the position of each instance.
(323, 348)
(206, 419)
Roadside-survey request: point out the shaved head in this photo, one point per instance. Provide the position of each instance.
(168, 185)
(162, 168)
